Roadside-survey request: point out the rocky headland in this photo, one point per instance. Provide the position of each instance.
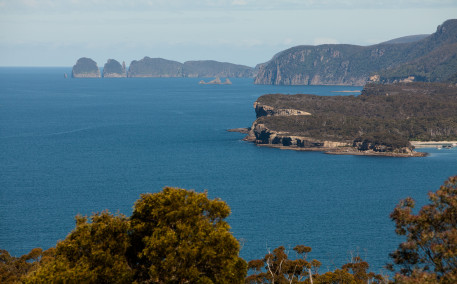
(381, 121)
(113, 69)
(85, 68)
(431, 58)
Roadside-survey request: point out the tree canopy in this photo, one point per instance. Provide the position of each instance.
(174, 236)
(429, 253)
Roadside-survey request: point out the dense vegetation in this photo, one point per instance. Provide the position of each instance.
(429, 59)
(392, 114)
(180, 236)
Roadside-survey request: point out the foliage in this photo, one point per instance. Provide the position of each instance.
(276, 267)
(12, 269)
(429, 253)
(181, 236)
(174, 236)
(92, 253)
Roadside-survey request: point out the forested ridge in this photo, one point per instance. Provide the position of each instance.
(388, 113)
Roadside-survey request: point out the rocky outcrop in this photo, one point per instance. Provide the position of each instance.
(264, 110)
(113, 69)
(379, 147)
(261, 135)
(216, 81)
(85, 68)
(431, 58)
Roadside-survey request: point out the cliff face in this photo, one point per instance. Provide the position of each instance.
(341, 64)
(113, 69)
(265, 110)
(85, 68)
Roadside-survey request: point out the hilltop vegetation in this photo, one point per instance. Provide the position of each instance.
(429, 59)
(389, 115)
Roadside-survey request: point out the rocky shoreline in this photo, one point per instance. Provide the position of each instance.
(343, 149)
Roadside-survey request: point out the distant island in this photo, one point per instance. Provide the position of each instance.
(381, 121)
(85, 68)
(113, 69)
(423, 58)
(216, 81)
(161, 68)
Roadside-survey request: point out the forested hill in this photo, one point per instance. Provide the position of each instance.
(384, 118)
(433, 58)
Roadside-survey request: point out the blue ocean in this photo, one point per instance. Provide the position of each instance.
(79, 146)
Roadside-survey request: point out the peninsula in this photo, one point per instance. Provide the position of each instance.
(381, 121)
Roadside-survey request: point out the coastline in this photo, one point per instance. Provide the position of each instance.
(339, 150)
(433, 144)
(344, 151)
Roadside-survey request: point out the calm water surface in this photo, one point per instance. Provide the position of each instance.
(70, 146)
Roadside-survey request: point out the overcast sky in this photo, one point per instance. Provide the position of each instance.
(58, 32)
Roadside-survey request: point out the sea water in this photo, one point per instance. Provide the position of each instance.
(79, 146)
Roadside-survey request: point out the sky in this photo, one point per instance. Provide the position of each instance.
(248, 32)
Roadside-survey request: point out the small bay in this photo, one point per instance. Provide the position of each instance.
(78, 146)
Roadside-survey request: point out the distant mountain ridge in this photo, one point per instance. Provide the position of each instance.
(432, 58)
(159, 67)
(406, 39)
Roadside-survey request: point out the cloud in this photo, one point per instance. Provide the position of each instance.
(203, 5)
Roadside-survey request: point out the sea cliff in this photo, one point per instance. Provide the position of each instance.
(421, 58)
(380, 121)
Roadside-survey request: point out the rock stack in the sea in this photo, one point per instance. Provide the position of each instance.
(113, 69)
(85, 68)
